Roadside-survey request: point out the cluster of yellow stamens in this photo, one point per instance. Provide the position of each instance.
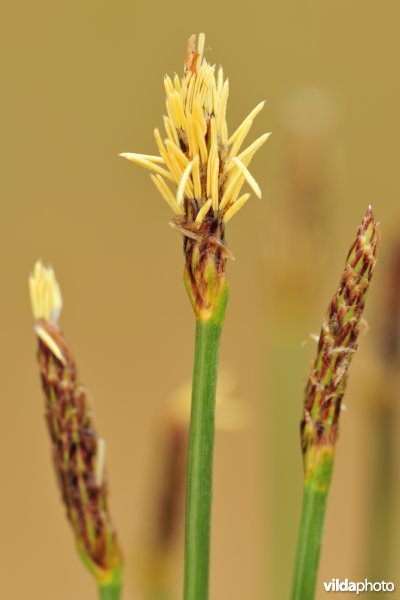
(45, 293)
(207, 167)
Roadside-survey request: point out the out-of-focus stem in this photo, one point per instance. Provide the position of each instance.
(200, 459)
(380, 522)
(384, 415)
(166, 513)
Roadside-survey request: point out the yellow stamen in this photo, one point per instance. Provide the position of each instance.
(200, 140)
(232, 210)
(250, 117)
(202, 212)
(212, 177)
(233, 180)
(236, 190)
(179, 170)
(196, 178)
(169, 87)
(199, 82)
(182, 184)
(240, 139)
(177, 83)
(200, 48)
(140, 159)
(198, 114)
(192, 136)
(159, 142)
(221, 114)
(247, 155)
(150, 157)
(179, 110)
(220, 80)
(45, 294)
(166, 193)
(252, 149)
(213, 132)
(189, 95)
(249, 177)
(171, 131)
(174, 150)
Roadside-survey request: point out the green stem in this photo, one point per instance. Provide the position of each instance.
(201, 444)
(110, 591)
(315, 496)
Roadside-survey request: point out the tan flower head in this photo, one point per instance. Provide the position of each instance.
(200, 170)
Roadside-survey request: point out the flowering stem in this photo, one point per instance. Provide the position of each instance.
(201, 444)
(110, 591)
(325, 388)
(315, 496)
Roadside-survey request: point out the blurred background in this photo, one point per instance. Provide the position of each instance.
(82, 82)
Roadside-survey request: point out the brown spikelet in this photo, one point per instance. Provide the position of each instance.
(75, 448)
(338, 340)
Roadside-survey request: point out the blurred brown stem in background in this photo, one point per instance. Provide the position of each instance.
(384, 413)
(160, 557)
(166, 510)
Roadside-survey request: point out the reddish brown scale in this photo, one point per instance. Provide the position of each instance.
(208, 249)
(345, 331)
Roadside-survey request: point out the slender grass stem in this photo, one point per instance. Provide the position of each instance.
(315, 496)
(110, 591)
(201, 444)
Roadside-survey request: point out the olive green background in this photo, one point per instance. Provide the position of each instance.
(81, 82)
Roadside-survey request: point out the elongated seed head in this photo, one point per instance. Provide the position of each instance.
(338, 341)
(78, 453)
